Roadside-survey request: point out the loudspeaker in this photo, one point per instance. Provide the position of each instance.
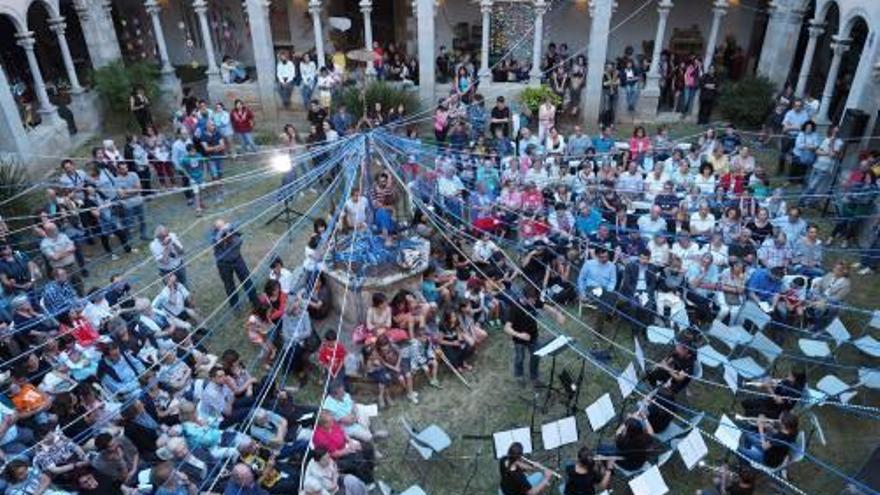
(853, 124)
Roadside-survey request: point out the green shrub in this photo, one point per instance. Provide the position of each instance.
(115, 82)
(532, 97)
(15, 197)
(388, 95)
(746, 102)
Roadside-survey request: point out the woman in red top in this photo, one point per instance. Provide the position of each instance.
(242, 120)
(352, 456)
(75, 324)
(277, 301)
(639, 144)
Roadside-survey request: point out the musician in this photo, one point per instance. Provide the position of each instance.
(727, 482)
(660, 410)
(632, 442)
(677, 367)
(783, 395)
(582, 477)
(771, 446)
(514, 480)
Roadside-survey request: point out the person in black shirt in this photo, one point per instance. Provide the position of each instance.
(783, 395)
(521, 324)
(632, 442)
(500, 118)
(91, 482)
(660, 410)
(677, 368)
(742, 248)
(316, 114)
(727, 482)
(17, 271)
(769, 447)
(230, 263)
(708, 94)
(514, 480)
(582, 477)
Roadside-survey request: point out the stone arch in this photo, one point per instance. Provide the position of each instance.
(50, 5)
(823, 8)
(851, 19)
(16, 18)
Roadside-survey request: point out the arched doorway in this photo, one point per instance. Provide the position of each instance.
(46, 48)
(76, 41)
(856, 30)
(15, 65)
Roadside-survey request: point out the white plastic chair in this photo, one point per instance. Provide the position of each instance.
(815, 348)
(660, 335)
(869, 345)
(414, 490)
(837, 330)
(748, 368)
(765, 347)
(870, 378)
(708, 356)
(834, 388)
(752, 313)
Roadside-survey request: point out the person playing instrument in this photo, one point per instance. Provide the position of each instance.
(632, 442)
(677, 367)
(727, 482)
(783, 395)
(660, 410)
(769, 447)
(514, 480)
(582, 477)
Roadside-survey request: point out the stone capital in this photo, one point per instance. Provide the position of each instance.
(816, 29)
(540, 7)
(485, 6)
(26, 40)
(57, 25)
(839, 45)
(315, 7)
(664, 7)
(152, 7)
(721, 4)
(107, 6)
(366, 6)
(200, 6)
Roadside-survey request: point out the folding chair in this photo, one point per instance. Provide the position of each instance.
(429, 443)
(414, 490)
(837, 330)
(870, 378)
(832, 387)
(675, 430)
(635, 472)
(748, 368)
(731, 336)
(752, 314)
(660, 335)
(869, 345)
(765, 347)
(795, 455)
(708, 356)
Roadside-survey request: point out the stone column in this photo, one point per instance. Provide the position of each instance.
(58, 26)
(537, 42)
(367, 10)
(12, 134)
(201, 8)
(101, 41)
(839, 46)
(27, 41)
(485, 73)
(315, 10)
(427, 73)
(597, 53)
(153, 8)
(780, 41)
(264, 55)
(815, 30)
(717, 14)
(650, 97)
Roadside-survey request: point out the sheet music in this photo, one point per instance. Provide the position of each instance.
(504, 439)
(692, 448)
(728, 433)
(650, 482)
(640, 354)
(628, 380)
(559, 433)
(553, 346)
(731, 377)
(600, 412)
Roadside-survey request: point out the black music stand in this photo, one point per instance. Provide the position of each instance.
(564, 387)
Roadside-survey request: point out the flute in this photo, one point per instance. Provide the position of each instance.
(538, 465)
(759, 383)
(608, 458)
(755, 419)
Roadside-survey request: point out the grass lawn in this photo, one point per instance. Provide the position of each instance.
(495, 402)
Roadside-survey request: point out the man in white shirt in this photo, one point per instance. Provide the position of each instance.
(285, 71)
(282, 275)
(356, 210)
(652, 223)
(168, 252)
(686, 250)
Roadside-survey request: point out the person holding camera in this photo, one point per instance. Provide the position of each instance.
(230, 263)
(168, 252)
